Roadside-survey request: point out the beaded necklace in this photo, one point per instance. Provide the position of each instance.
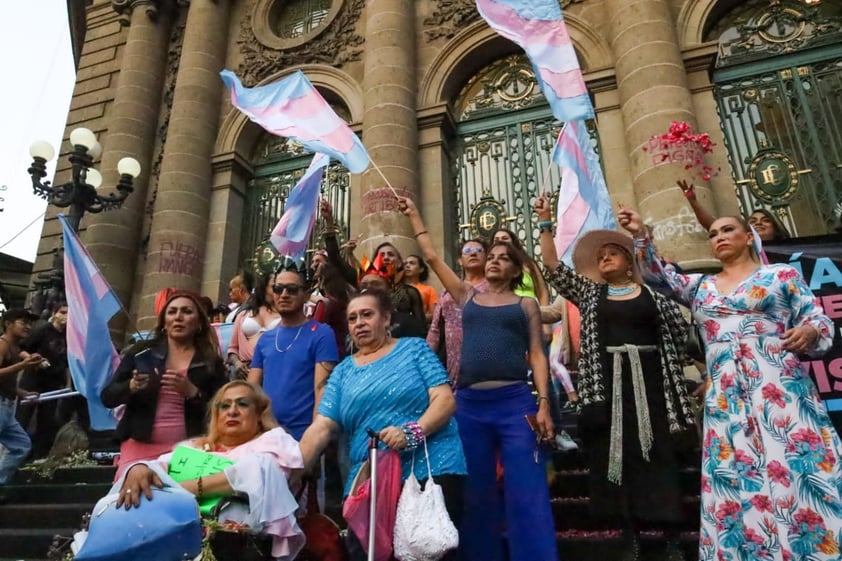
(621, 291)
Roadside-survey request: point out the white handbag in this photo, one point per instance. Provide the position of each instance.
(423, 529)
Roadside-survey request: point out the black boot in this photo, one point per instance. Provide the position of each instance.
(673, 550)
(631, 544)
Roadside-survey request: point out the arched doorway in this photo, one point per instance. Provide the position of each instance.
(503, 155)
(278, 165)
(778, 87)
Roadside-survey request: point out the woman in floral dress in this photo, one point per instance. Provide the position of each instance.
(771, 477)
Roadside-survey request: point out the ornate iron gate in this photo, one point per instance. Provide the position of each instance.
(279, 164)
(504, 151)
(779, 95)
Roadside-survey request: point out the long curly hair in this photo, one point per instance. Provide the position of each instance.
(263, 407)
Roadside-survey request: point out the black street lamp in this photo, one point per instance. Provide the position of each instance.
(82, 194)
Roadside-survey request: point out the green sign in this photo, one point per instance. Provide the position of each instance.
(188, 463)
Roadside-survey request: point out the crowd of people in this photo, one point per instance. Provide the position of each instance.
(328, 352)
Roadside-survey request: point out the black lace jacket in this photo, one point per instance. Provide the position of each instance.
(672, 335)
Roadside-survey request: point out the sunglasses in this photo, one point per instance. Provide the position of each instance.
(240, 402)
(292, 289)
(469, 250)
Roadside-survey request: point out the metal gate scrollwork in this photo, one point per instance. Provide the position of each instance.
(504, 150)
(778, 88)
(279, 164)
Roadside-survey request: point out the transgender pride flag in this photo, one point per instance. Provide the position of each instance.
(293, 108)
(538, 27)
(583, 203)
(90, 304)
(292, 233)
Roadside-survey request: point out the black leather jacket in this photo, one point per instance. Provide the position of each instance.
(139, 416)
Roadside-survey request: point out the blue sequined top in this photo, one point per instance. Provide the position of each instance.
(389, 392)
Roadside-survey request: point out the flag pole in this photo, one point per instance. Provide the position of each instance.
(383, 176)
(546, 179)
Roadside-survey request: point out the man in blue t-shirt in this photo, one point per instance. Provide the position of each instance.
(293, 361)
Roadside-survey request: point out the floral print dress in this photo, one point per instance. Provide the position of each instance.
(771, 474)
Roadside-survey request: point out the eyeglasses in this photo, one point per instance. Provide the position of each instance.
(292, 289)
(468, 250)
(240, 402)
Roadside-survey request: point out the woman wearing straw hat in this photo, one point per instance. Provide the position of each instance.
(631, 383)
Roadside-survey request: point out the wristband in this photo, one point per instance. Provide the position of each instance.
(545, 224)
(421, 233)
(540, 397)
(414, 435)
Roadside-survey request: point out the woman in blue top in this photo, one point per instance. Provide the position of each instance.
(397, 387)
(501, 343)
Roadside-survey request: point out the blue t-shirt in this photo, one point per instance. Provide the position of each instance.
(288, 357)
(392, 391)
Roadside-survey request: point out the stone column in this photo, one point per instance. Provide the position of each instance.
(180, 218)
(390, 123)
(112, 237)
(654, 92)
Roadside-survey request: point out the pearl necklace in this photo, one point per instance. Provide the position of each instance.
(278, 331)
(621, 291)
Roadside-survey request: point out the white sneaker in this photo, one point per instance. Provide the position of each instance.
(564, 443)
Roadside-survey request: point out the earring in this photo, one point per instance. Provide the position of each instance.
(629, 273)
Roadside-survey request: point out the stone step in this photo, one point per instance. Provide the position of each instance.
(65, 515)
(28, 543)
(592, 546)
(70, 475)
(576, 460)
(574, 482)
(45, 493)
(573, 513)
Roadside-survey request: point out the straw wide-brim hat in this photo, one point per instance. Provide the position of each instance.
(585, 252)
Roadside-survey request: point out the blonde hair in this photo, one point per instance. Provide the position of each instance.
(262, 404)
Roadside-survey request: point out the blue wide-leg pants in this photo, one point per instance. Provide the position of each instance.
(490, 421)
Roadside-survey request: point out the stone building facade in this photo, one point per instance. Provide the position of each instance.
(450, 113)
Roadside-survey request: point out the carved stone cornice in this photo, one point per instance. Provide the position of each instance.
(451, 16)
(126, 7)
(336, 45)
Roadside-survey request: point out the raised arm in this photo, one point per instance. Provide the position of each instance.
(657, 274)
(334, 256)
(703, 216)
(565, 280)
(452, 283)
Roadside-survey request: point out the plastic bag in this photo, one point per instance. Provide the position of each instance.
(355, 510)
(423, 528)
(167, 528)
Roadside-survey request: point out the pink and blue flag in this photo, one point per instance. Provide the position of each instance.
(293, 108)
(91, 303)
(538, 27)
(583, 203)
(292, 233)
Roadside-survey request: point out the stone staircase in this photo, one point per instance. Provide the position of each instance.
(37, 509)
